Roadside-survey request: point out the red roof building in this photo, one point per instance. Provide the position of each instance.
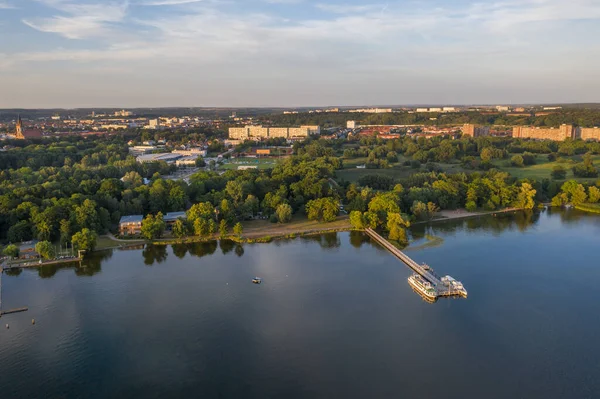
(26, 134)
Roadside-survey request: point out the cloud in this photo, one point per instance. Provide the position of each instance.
(80, 21)
(5, 6)
(167, 2)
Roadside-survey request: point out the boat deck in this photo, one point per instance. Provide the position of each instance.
(442, 289)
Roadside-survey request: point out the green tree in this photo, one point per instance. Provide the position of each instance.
(357, 220)
(559, 172)
(45, 249)
(11, 250)
(179, 228)
(65, 231)
(593, 194)
(223, 228)
(517, 160)
(153, 226)
(575, 192)
(86, 215)
(525, 198)
(396, 226)
(284, 213)
(238, 229)
(85, 240)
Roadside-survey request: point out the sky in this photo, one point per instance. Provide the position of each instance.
(288, 53)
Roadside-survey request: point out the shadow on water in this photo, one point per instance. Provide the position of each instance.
(90, 266)
(495, 224)
(154, 254)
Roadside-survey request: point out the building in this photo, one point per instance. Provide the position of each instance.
(556, 134)
(164, 157)
(130, 225)
(589, 133)
(187, 161)
(259, 132)
(171, 217)
(372, 110)
(27, 250)
(502, 108)
(154, 123)
(22, 134)
(351, 125)
(191, 152)
(471, 130)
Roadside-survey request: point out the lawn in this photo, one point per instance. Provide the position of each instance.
(261, 163)
(398, 171)
(299, 225)
(543, 168)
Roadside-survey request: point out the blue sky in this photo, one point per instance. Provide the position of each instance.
(126, 53)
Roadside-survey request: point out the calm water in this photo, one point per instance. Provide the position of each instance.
(334, 318)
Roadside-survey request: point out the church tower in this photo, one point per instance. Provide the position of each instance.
(19, 130)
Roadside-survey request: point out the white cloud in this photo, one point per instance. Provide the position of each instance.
(80, 20)
(5, 6)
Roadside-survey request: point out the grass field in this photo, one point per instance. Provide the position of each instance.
(543, 168)
(397, 171)
(261, 163)
(299, 225)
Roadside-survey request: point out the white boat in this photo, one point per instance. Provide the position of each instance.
(454, 285)
(422, 286)
(257, 280)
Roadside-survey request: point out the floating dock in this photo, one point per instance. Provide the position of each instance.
(444, 286)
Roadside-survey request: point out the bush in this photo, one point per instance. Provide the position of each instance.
(559, 173)
(517, 160)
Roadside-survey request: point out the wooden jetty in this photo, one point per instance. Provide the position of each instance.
(3, 312)
(444, 286)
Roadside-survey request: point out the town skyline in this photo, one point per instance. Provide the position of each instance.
(265, 53)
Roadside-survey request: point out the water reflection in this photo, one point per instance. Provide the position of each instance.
(495, 224)
(227, 246)
(201, 249)
(325, 241)
(154, 253)
(179, 250)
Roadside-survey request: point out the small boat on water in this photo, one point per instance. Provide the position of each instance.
(257, 280)
(422, 286)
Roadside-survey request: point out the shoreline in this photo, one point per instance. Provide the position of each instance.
(275, 232)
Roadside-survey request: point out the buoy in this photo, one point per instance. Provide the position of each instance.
(32, 321)
(7, 326)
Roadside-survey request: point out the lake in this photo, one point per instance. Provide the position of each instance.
(334, 318)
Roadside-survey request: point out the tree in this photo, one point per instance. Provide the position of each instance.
(223, 228)
(200, 163)
(86, 215)
(238, 229)
(11, 250)
(357, 220)
(284, 213)
(517, 160)
(586, 168)
(85, 240)
(419, 209)
(179, 228)
(65, 231)
(593, 194)
(575, 192)
(396, 226)
(323, 209)
(559, 172)
(153, 226)
(525, 198)
(133, 179)
(45, 249)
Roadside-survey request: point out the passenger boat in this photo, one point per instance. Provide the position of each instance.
(257, 280)
(454, 285)
(422, 286)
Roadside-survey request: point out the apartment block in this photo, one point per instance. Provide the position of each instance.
(556, 134)
(471, 130)
(259, 132)
(589, 133)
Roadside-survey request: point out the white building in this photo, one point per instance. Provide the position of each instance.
(351, 125)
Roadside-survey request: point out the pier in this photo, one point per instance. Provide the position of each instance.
(444, 287)
(3, 312)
